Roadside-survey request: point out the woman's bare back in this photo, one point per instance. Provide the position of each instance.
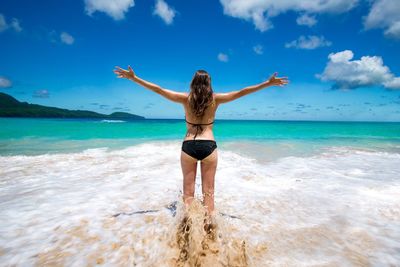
(206, 122)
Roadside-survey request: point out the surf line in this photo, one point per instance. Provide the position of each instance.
(172, 208)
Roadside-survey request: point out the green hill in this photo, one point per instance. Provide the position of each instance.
(11, 107)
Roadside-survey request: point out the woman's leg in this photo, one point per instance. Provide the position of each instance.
(208, 169)
(189, 168)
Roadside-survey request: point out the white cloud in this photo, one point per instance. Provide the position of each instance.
(306, 20)
(114, 8)
(393, 83)
(309, 42)
(385, 14)
(261, 11)
(14, 24)
(41, 93)
(3, 23)
(394, 30)
(67, 38)
(223, 57)
(343, 56)
(350, 74)
(165, 12)
(258, 49)
(5, 83)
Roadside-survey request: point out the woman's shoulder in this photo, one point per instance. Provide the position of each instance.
(215, 99)
(217, 96)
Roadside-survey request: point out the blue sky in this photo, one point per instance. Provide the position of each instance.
(341, 56)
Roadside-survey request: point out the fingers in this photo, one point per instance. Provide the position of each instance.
(284, 81)
(120, 69)
(280, 81)
(119, 72)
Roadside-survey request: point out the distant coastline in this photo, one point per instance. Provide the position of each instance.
(12, 108)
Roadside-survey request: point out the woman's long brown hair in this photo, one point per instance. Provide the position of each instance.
(201, 93)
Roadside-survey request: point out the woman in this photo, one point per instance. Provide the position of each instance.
(200, 105)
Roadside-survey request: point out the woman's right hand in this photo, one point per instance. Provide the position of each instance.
(278, 81)
(127, 74)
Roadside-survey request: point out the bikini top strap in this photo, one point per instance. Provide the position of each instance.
(198, 126)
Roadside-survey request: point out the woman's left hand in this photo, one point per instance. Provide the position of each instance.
(127, 74)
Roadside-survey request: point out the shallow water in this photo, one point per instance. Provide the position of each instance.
(330, 205)
(40, 136)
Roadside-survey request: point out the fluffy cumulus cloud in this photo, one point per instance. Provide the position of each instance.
(392, 83)
(261, 11)
(5, 83)
(223, 57)
(306, 20)
(165, 12)
(66, 38)
(43, 93)
(308, 42)
(258, 49)
(347, 73)
(385, 14)
(114, 8)
(13, 24)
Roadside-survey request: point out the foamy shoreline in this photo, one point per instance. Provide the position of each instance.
(336, 207)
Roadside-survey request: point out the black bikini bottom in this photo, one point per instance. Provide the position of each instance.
(199, 149)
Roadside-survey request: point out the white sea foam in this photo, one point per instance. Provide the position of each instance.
(340, 207)
(112, 121)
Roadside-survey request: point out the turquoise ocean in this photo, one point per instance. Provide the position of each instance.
(41, 136)
(288, 193)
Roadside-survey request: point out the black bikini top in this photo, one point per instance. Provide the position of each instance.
(198, 126)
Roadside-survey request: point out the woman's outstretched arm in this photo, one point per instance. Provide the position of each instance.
(169, 94)
(273, 80)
